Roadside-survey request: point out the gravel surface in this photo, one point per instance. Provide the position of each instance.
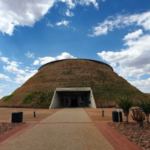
(6, 127)
(133, 132)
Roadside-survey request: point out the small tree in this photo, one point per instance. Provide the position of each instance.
(125, 103)
(146, 108)
(138, 115)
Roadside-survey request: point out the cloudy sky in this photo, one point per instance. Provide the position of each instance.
(34, 32)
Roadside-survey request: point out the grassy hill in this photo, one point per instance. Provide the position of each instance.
(107, 86)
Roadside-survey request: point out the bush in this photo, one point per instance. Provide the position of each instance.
(38, 98)
(145, 105)
(125, 103)
(8, 97)
(41, 76)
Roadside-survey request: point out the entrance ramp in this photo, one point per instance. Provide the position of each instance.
(73, 97)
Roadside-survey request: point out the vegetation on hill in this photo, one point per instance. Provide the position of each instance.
(8, 97)
(38, 98)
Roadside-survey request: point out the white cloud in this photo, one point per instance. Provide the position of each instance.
(30, 55)
(63, 22)
(50, 25)
(87, 2)
(133, 35)
(143, 85)
(121, 21)
(134, 61)
(65, 55)
(22, 13)
(72, 3)
(4, 77)
(69, 13)
(13, 68)
(36, 62)
(23, 78)
(5, 59)
(45, 60)
(27, 12)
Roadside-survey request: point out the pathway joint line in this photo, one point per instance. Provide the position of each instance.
(66, 123)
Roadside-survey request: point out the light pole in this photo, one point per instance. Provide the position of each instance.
(118, 113)
(102, 112)
(34, 113)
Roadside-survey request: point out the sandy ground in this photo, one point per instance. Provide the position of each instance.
(96, 114)
(28, 117)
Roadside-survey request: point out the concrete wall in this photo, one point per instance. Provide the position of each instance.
(92, 104)
(57, 103)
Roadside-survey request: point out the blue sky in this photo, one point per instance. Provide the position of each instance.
(33, 33)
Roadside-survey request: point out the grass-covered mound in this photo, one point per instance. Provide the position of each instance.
(107, 86)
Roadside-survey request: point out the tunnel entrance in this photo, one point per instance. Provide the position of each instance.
(72, 97)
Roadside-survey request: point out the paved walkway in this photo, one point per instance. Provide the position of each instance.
(67, 129)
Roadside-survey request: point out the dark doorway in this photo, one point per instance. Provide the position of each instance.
(74, 99)
(74, 102)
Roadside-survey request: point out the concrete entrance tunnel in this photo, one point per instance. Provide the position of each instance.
(73, 97)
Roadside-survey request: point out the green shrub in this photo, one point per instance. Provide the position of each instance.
(145, 105)
(29, 98)
(41, 76)
(125, 103)
(38, 98)
(8, 97)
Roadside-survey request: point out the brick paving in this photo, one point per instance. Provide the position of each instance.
(68, 115)
(67, 129)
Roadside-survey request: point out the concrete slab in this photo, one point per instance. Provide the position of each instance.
(73, 89)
